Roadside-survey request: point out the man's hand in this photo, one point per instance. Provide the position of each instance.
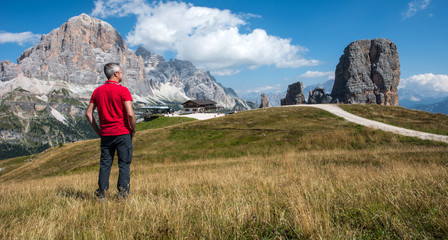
(131, 116)
(132, 134)
(91, 119)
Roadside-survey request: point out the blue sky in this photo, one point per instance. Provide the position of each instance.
(255, 46)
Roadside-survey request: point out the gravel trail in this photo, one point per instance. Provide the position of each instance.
(332, 108)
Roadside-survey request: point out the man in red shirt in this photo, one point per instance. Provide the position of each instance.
(117, 123)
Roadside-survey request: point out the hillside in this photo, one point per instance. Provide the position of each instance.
(290, 172)
(31, 123)
(257, 132)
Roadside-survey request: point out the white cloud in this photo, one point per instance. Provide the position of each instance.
(265, 89)
(119, 8)
(208, 37)
(19, 38)
(414, 7)
(415, 99)
(428, 84)
(315, 74)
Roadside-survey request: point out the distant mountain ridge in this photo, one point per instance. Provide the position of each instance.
(440, 107)
(77, 51)
(44, 95)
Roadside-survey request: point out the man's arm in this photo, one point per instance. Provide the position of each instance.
(131, 116)
(91, 119)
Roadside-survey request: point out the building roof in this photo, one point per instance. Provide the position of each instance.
(155, 107)
(205, 102)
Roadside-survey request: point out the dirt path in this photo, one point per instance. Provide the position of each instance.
(377, 125)
(199, 116)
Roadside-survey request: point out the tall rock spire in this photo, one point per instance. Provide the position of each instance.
(368, 71)
(294, 95)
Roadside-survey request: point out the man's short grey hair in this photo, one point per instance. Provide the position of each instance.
(110, 69)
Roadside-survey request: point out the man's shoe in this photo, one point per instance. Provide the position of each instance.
(122, 193)
(101, 195)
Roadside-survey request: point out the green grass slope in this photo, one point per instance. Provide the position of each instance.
(262, 132)
(163, 122)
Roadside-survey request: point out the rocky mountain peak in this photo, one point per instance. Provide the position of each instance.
(145, 54)
(150, 60)
(94, 31)
(75, 51)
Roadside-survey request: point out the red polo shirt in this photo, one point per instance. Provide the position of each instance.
(109, 99)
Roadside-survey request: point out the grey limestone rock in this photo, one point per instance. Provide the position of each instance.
(318, 96)
(369, 70)
(8, 70)
(294, 95)
(149, 58)
(327, 98)
(264, 101)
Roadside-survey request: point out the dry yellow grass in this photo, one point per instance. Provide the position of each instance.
(278, 173)
(390, 193)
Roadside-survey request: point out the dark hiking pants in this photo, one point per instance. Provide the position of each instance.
(122, 144)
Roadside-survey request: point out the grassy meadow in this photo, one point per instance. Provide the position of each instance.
(277, 173)
(163, 122)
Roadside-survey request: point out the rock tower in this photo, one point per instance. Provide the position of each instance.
(294, 95)
(264, 101)
(368, 71)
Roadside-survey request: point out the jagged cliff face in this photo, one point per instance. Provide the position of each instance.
(53, 81)
(8, 71)
(368, 70)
